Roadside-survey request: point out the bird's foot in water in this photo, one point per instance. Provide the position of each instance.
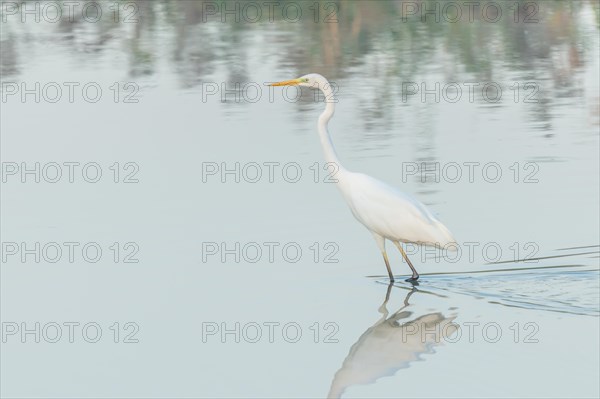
(412, 280)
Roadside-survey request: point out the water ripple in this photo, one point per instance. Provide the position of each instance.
(567, 291)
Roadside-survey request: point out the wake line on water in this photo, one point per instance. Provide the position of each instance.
(500, 270)
(545, 257)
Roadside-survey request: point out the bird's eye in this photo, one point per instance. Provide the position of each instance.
(305, 80)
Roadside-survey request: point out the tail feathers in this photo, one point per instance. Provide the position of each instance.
(443, 238)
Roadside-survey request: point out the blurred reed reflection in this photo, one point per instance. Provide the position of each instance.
(197, 37)
(391, 344)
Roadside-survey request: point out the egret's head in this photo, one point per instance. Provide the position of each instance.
(313, 80)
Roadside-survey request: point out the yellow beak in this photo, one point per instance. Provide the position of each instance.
(293, 82)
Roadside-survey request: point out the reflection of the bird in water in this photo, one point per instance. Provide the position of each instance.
(391, 344)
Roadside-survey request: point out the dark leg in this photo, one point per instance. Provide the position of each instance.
(387, 264)
(415, 275)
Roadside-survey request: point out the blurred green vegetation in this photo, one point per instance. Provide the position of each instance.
(197, 37)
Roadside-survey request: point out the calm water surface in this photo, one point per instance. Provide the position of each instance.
(514, 313)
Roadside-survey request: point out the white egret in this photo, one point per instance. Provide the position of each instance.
(388, 213)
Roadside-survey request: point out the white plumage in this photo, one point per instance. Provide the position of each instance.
(390, 213)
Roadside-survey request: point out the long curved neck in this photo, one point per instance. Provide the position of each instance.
(326, 143)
